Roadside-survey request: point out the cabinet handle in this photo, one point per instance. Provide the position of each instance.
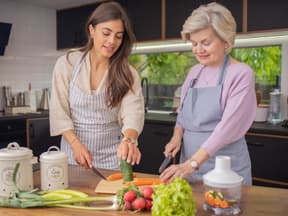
(257, 144)
(31, 131)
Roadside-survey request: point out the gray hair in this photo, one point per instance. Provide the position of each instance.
(213, 15)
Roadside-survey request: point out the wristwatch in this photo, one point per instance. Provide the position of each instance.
(194, 164)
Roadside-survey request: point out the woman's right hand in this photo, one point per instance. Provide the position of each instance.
(173, 146)
(82, 155)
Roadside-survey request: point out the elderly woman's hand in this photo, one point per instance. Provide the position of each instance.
(182, 170)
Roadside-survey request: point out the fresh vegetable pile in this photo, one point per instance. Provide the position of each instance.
(135, 199)
(172, 199)
(216, 199)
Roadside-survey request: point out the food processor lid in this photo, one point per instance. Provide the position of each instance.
(222, 176)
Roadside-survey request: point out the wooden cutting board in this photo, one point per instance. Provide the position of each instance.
(109, 187)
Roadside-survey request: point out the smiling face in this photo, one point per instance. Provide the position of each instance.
(208, 47)
(107, 37)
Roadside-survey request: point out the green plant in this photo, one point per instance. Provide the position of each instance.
(265, 62)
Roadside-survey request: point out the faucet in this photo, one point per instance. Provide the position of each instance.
(144, 82)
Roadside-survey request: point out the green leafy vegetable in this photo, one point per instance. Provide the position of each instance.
(173, 199)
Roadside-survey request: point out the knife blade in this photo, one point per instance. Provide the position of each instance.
(96, 171)
(165, 163)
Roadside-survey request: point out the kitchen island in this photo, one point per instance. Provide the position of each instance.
(256, 201)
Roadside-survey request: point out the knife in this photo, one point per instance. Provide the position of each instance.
(165, 163)
(96, 171)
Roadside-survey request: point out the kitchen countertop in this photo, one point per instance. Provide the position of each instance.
(10, 116)
(256, 201)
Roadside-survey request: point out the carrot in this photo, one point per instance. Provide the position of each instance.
(117, 176)
(224, 204)
(144, 181)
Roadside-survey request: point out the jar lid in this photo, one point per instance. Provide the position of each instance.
(222, 176)
(53, 155)
(14, 152)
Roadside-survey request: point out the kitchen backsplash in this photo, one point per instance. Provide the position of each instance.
(18, 72)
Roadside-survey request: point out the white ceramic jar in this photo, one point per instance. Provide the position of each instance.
(9, 157)
(54, 169)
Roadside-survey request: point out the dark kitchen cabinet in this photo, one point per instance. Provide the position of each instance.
(152, 142)
(145, 17)
(38, 136)
(71, 26)
(176, 14)
(267, 15)
(12, 130)
(269, 159)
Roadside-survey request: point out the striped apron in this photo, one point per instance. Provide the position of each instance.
(200, 113)
(95, 125)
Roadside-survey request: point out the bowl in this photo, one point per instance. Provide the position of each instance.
(262, 112)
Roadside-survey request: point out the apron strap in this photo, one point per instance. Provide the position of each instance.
(223, 70)
(77, 70)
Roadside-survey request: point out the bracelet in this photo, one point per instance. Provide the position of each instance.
(130, 140)
(75, 139)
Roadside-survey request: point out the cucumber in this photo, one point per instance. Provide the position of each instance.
(126, 170)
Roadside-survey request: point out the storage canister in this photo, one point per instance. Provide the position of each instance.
(54, 169)
(9, 157)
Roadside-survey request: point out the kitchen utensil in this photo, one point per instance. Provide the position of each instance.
(45, 99)
(54, 169)
(165, 163)
(109, 187)
(97, 172)
(222, 184)
(9, 157)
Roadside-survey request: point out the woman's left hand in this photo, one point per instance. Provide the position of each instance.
(182, 170)
(129, 151)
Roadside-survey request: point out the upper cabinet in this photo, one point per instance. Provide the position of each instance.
(145, 17)
(71, 26)
(267, 15)
(163, 19)
(176, 14)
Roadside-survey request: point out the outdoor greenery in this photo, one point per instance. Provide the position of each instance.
(265, 62)
(167, 71)
(172, 68)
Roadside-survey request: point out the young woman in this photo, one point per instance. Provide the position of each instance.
(96, 100)
(218, 102)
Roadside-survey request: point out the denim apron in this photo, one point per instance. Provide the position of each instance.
(95, 125)
(199, 115)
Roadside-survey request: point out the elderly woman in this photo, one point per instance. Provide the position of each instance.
(218, 102)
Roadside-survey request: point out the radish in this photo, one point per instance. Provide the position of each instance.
(139, 203)
(129, 196)
(147, 192)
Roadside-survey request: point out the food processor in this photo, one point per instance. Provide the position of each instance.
(222, 188)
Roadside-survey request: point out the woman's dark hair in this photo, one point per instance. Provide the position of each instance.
(120, 79)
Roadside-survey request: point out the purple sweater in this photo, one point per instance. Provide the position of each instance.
(238, 102)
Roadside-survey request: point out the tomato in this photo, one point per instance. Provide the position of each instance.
(139, 203)
(129, 196)
(147, 192)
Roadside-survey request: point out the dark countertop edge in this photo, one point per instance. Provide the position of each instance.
(257, 127)
(8, 116)
(166, 119)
